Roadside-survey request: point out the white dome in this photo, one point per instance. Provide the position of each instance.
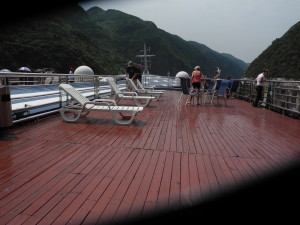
(177, 78)
(182, 74)
(84, 70)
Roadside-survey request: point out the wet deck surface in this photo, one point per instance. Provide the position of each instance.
(53, 172)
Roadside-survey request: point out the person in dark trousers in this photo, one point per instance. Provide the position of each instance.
(196, 79)
(130, 72)
(260, 86)
(138, 73)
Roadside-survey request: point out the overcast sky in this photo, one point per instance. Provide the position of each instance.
(242, 28)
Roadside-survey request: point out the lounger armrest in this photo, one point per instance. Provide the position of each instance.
(142, 91)
(129, 93)
(97, 103)
(149, 88)
(76, 107)
(106, 100)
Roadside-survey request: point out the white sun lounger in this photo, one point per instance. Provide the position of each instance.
(138, 99)
(143, 92)
(141, 86)
(85, 106)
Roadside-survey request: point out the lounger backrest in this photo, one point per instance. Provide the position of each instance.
(113, 85)
(132, 84)
(140, 84)
(74, 93)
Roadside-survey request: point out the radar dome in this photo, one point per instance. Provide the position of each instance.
(182, 74)
(177, 78)
(84, 70)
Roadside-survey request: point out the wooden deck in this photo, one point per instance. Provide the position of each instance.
(95, 171)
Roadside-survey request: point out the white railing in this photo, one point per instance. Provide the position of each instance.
(280, 96)
(33, 95)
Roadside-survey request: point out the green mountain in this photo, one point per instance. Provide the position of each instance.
(56, 40)
(282, 57)
(172, 54)
(241, 63)
(104, 41)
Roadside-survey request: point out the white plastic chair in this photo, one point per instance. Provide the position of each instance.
(127, 95)
(213, 92)
(143, 92)
(141, 86)
(74, 112)
(210, 91)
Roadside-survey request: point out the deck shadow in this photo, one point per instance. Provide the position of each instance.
(6, 135)
(110, 122)
(272, 198)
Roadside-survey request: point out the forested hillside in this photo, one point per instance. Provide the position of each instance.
(104, 41)
(282, 57)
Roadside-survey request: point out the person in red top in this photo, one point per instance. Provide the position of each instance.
(196, 79)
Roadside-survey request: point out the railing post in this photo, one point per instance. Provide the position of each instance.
(298, 101)
(96, 87)
(5, 107)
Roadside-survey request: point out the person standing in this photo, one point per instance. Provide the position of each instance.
(71, 78)
(138, 74)
(217, 73)
(260, 79)
(196, 79)
(130, 72)
(71, 70)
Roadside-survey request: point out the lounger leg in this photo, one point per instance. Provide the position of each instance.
(140, 104)
(199, 99)
(204, 101)
(189, 100)
(123, 121)
(180, 97)
(212, 98)
(76, 115)
(156, 97)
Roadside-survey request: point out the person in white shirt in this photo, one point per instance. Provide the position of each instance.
(259, 87)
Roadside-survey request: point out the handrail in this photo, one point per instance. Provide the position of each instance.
(280, 96)
(29, 101)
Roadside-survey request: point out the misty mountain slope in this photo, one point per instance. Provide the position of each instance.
(105, 41)
(282, 57)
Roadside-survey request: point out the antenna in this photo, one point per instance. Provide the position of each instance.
(145, 59)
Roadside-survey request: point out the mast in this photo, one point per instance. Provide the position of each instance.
(145, 59)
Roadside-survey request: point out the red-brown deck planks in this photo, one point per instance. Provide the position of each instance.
(172, 155)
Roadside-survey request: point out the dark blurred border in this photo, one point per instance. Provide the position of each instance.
(274, 198)
(16, 11)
